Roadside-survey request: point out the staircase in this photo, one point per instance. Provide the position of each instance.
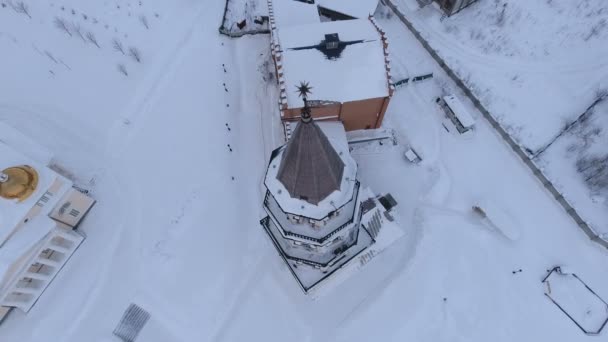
(374, 225)
(40, 269)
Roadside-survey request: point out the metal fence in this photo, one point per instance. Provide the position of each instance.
(132, 322)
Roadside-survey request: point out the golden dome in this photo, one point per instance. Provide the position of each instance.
(18, 182)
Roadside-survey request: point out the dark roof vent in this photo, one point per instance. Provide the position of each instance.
(388, 202)
(332, 41)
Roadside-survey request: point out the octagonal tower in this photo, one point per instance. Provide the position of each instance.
(312, 201)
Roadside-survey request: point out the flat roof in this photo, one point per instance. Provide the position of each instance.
(354, 8)
(459, 110)
(358, 73)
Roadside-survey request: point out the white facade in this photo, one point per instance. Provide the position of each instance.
(360, 9)
(32, 273)
(37, 235)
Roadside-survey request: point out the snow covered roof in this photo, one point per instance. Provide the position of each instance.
(336, 135)
(459, 110)
(292, 13)
(356, 72)
(355, 8)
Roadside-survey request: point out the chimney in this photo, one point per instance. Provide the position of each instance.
(332, 41)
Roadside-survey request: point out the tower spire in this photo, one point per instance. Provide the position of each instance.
(303, 90)
(311, 169)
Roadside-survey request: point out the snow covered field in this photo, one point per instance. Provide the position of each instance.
(577, 162)
(536, 66)
(175, 233)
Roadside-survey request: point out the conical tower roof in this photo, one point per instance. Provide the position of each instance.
(311, 169)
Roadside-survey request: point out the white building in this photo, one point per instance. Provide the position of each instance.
(320, 219)
(39, 210)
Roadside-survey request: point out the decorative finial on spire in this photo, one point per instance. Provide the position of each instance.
(303, 90)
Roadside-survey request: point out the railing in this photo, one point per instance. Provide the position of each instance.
(265, 222)
(301, 236)
(519, 150)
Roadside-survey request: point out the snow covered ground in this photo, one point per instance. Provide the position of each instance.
(536, 66)
(578, 164)
(241, 16)
(175, 233)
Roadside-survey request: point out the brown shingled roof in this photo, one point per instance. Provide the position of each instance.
(310, 169)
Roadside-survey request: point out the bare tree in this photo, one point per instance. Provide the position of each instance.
(117, 45)
(91, 37)
(500, 20)
(78, 30)
(135, 54)
(122, 69)
(144, 21)
(50, 56)
(62, 25)
(596, 29)
(20, 7)
(601, 93)
(595, 172)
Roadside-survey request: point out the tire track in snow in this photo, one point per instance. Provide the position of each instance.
(108, 253)
(117, 195)
(124, 129)
(253, 277)
(117, 138)
(21, 116)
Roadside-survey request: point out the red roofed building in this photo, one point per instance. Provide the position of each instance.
(347, 61)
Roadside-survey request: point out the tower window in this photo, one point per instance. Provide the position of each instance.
(332, 41)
